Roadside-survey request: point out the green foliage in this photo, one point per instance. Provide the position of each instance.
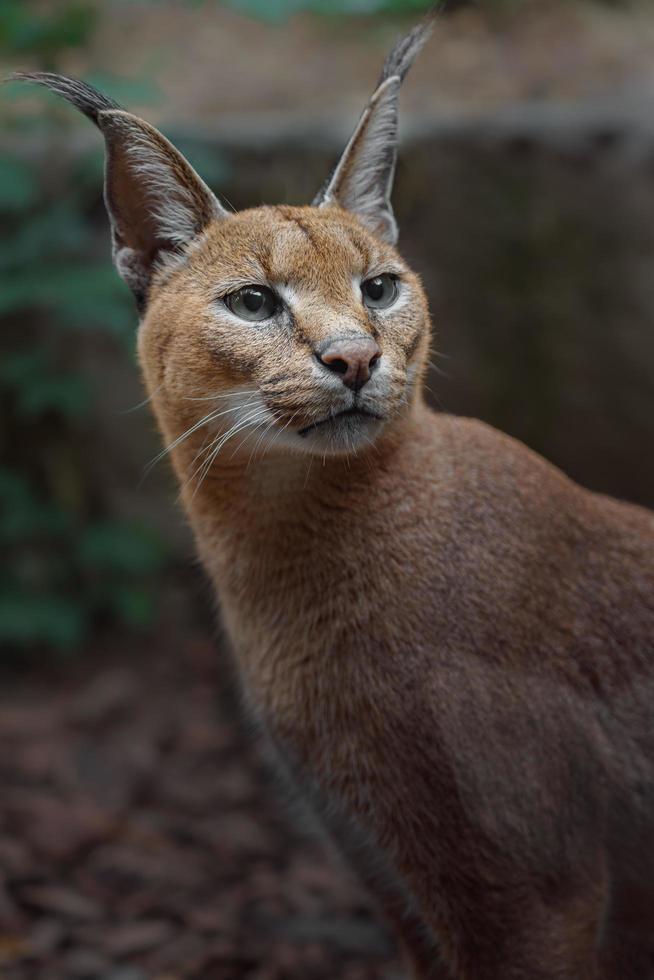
(275, 10)
(281, 10)
(45, 31)
(67, 566)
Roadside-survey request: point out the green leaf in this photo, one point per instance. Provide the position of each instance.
(110, 307)
(210, 164)
(22, 368)
(44, 31)
(135, 607)
(14, 488)
(23, 514)
(79, 294)
(122, 548)
(280, 10)
(32, 520)
(18, 188)
(126, 91)
(26, 619)
(57, 226)
(38, 390)
(58, 571)
(66, 395)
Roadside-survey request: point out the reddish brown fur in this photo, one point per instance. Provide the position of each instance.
(450, 645)
(449, 642)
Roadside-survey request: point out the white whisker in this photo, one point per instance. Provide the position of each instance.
(306, 480)
(258, 414)
(252, 419)
(210, 417)
(262, 436)
(226, 394)
(135, 408)
(257, 425)
(283, 428)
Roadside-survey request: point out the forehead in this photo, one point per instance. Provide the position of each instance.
(290, 244)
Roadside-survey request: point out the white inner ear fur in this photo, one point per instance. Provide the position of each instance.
(179, 202)
(363, 179)
(173, 205)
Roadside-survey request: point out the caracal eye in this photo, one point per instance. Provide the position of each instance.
(379, 292)
(252, 302)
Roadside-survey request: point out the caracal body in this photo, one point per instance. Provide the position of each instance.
(449, 645)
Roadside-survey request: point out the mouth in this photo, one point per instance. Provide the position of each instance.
(352, 413)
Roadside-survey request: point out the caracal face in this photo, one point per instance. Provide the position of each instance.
(303, 330)
(300, 328)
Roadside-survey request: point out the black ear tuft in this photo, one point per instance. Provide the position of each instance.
(157, 203)
(362, 180)
(83, 96)
(408, 47)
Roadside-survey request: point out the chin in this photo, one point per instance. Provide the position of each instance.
(344, 434)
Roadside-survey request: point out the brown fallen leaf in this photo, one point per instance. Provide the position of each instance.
(129, 938)
(60, 900)
(12, 947)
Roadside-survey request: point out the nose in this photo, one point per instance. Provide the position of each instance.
(354, 358)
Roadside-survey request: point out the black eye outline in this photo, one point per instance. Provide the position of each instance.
(235, 303)
(388, 295)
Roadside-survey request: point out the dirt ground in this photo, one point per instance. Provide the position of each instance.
(142, 836)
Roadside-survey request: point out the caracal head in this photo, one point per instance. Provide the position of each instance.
(313, 327)
(284, 329)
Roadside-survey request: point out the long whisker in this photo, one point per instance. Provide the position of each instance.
(438, 370)
(210, 417)
(262, 423)
(244, 423)
(283, 429)
(243, 441)
(208, 440)
(306, 479)
(273, 421)
(217, 445)
(225, 394)
(135, 408)
(204, 451)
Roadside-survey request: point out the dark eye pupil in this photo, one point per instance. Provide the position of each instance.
(253, 299)
(375, 287)
(252, 303)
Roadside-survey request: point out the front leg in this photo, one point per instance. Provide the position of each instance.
(524, 936)
(381, 882)
(417, 943)
(422, 963)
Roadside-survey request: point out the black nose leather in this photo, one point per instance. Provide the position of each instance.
(353, 358)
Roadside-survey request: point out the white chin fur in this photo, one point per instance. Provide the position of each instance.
(342, 436)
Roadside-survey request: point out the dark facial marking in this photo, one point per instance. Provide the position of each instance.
(307, 232)
(296, 328)
(277, 379)
(359, 244)
(410, 349)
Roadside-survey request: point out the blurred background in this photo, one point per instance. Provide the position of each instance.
(141, 837)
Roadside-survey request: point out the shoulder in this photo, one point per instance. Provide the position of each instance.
(499, 466)
(479, 452)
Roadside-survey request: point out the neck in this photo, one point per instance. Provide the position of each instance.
(262, 524)
(265, 476)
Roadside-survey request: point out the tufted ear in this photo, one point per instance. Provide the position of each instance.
(362, 180)
(157, 203)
